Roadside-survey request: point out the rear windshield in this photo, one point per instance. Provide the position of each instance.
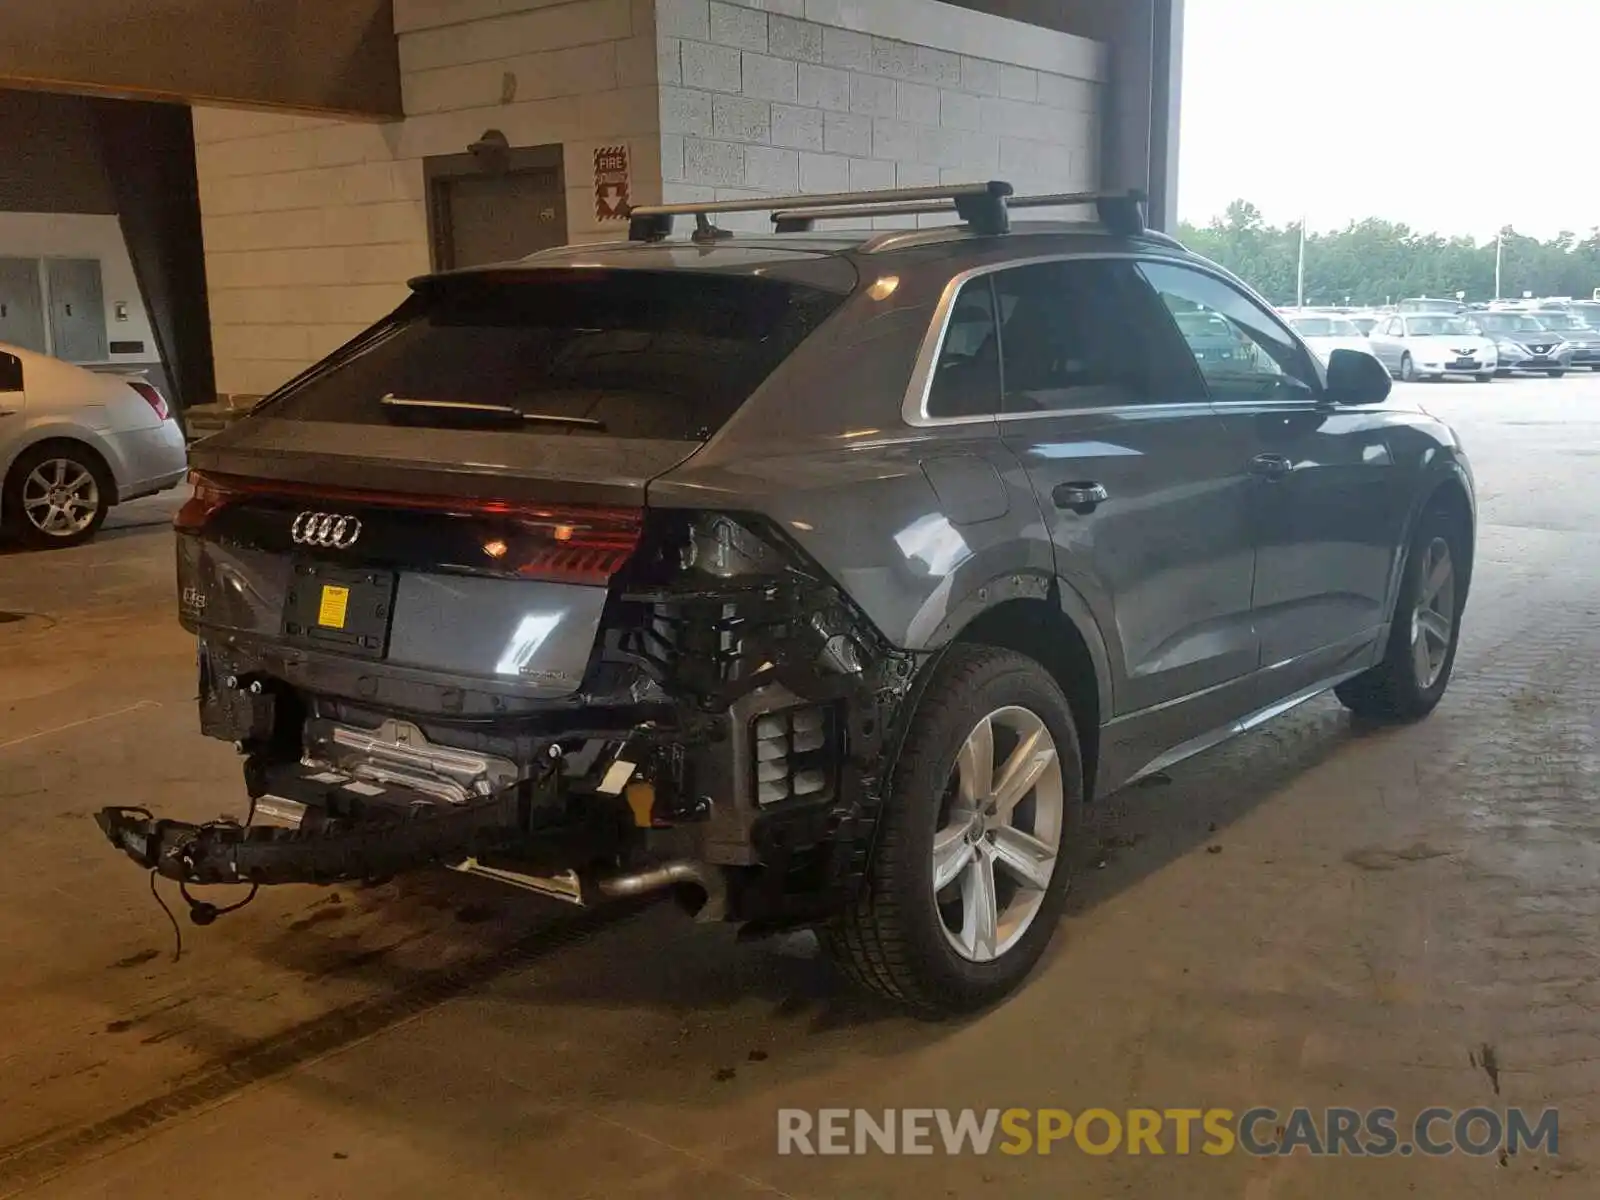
(1556, 320)
(1200, 324)
(1438, 326)
(618, 353)
(1506, 323)
(1325, 327)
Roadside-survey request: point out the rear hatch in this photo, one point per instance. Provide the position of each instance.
(450, 494)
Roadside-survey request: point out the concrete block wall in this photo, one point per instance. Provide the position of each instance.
(312, 226)
(773, 96)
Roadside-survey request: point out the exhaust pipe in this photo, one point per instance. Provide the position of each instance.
(681, 871)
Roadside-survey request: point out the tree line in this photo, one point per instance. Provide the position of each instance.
(1377, 262)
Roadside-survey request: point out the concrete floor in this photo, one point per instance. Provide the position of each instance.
(1310, 915)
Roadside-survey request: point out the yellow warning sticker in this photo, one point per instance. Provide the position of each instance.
(335, 603)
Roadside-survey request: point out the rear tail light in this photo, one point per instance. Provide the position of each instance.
(572, 544)
(563, 543)
(153, 397)
(208, 497)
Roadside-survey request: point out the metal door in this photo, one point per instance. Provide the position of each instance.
(1327, 503)
(21, 310)
(491, 218)
(1144, 492)
(77, 309)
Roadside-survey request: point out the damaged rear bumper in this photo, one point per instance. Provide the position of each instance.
(735, 733)
(225, 852)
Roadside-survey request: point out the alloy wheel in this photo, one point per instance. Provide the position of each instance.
(1000, 827)
(1433, 619)
(60, 497)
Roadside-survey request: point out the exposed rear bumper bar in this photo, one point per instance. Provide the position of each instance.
(223, 852)
(227, 853)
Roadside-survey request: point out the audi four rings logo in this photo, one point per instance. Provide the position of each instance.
(333, 530)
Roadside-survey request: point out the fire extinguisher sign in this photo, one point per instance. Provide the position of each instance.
(610, 183)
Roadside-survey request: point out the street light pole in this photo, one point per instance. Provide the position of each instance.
(1499, 252)
(1300, 281)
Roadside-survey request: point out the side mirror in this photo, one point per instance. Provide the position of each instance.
(1357, 378)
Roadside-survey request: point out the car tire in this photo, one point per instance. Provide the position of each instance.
(1408, 369)
(1409, 683)
(1555, 374)
(1486, 377)
(62, 469)
(897, 939)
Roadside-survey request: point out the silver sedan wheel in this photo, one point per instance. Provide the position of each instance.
(1000, 834)
(60, 497)
(1433, 620)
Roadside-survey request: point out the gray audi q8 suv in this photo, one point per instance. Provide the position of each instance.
(822, 578)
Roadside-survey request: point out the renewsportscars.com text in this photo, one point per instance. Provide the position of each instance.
(1374, 1132)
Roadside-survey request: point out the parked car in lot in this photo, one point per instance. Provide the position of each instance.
(1212, 339)
(1430, 304)
(1524, 342)
(73, 443)
(1587, 311)
(1434, 346)
(1327, 332)
(1366, 322)
(1574, 332)
(822, 577)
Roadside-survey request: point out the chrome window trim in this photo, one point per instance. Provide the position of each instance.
(914, 407)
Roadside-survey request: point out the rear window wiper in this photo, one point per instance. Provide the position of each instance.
(497, 412)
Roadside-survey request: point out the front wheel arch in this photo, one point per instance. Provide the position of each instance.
(1450, 493)
(1450, 496)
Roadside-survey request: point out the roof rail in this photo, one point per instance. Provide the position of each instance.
(1121, 213)
(981, 205)
(985, 207)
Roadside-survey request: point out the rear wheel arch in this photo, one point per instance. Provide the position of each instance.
(68, 439)
(11, 518)
(91, 452)
(1042, 631)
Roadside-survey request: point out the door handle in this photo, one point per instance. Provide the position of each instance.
(1082, 498)
(1270, 467)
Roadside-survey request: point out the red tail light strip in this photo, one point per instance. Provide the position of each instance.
(561, 542)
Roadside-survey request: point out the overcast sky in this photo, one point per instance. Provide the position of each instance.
(1344, 109)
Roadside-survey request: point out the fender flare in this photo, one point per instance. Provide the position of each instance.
(1436, 476)
(1065, 598)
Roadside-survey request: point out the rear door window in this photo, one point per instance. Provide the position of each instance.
(1087, 333)
(635, 354)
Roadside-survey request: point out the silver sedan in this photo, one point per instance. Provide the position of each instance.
(73, 443)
